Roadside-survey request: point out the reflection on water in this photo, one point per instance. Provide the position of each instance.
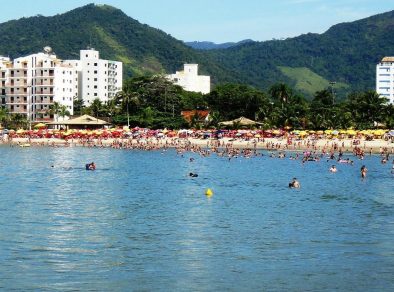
(141, 222)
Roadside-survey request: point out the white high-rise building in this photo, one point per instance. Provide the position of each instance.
(30, 85)
(190, 80)
(385, 78)
(98, 78)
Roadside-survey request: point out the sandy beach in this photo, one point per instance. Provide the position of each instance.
(376, 146)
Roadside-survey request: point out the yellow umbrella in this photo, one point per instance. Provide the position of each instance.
(320, 132)
(328, 132)
(40, 125)
(351, 132)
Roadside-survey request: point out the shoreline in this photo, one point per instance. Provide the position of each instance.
(270, 144)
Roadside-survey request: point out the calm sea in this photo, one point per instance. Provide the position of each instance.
(139, 222)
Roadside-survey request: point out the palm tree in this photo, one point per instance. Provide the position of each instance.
(19, 121)
(281, 92)
(127, 98)
(5, 117)
(96, 107)
(63, 111)
(54, 109)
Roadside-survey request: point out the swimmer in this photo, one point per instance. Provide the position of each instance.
(294, 183)
(90, 166)
(333, 168)
(191, 174)
(363, 171)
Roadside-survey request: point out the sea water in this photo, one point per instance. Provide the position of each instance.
(139, 222)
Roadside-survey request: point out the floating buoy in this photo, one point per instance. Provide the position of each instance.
(208, 192)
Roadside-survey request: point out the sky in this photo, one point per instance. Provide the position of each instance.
(219, 20)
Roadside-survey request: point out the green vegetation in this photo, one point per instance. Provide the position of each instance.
(157, 103)
(308, 82)
(347, 53)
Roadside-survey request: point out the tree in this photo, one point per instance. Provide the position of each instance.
(19, 121)
(63, 111)
(54, 109)
(235, 100)
(280, 92)
(368, 108)
(78, 105)
(96, 107)
(5, 117)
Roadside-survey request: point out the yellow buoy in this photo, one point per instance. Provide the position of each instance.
(208, 192)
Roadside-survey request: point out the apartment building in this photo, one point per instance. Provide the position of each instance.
(385, 78)
(98, 78)
(190, 80)
(30, 85)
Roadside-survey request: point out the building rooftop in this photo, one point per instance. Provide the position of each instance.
(388, 59)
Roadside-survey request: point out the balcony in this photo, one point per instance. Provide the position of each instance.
(17, 102)
(45, 84)
(18, 111)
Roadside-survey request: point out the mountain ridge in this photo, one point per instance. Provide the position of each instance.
(207, 45)
(346, 53)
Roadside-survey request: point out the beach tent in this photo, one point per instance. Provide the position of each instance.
(242, 121)
(82, 122)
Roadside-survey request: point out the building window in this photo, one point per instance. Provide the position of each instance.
(95, 71)
(95, 94)
(95, 64)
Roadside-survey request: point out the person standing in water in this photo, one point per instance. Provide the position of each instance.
(363, 171)
(294, 183)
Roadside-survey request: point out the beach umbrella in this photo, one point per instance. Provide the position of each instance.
(335, 132)
(391, 133)
(20, 131)
(39, 126)
(328, 132)
(351, 132)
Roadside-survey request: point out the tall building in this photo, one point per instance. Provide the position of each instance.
(98, 78)
(30, 85)
(190, 80)
(385, 78)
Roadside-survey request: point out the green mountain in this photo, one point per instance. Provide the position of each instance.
(141, 48)
(212, 46)
(347, 53)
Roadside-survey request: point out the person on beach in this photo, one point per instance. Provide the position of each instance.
(294, 183)
(363, 171)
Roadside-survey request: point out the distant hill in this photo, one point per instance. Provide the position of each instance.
(212, 46)
(347, 53)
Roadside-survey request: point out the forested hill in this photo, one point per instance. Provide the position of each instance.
(347, 53)
(141, 48)
(213, 46)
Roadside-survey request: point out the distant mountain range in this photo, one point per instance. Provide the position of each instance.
(347, 53)
(212, 46)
